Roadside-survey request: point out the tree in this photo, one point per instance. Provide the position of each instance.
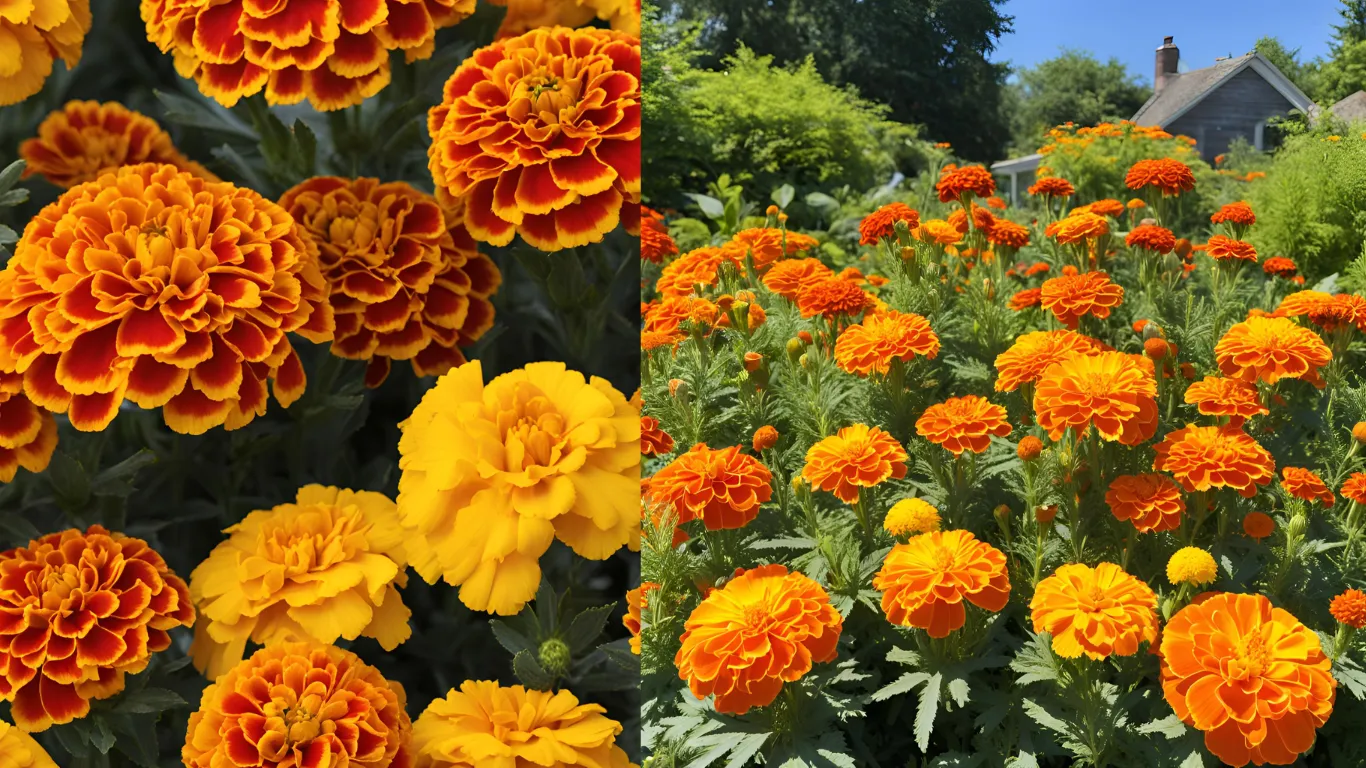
(926, 59)
(1344, 75)
(1303, 74)
(1073, 86)
(1353, 27)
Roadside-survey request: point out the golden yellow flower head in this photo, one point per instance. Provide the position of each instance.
(493, 473)
(1191, 565)
(19, 750)
(911, 516)
(326, 567)
(33, 35)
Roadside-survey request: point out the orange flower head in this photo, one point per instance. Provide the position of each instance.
(300, 705)
(668, 315)
(1031, 354)
(833, 297)
(765, 437)
(1005, 233)
(1052, 186)
(85, 139)
(1071, 297)
(552, 118)
(881, 224)
(79, 611)
(1151, 237)
(1156, 349)
(938, 232)
(925, 581)
(1239, 213)
(963, 424)
(1251, 676)
(335, 53)
(188, 310)
(1258, 525)
(1151, 502)
(28, 434)
(1270, 349)
(911, 516)
(1221, 248)
(656, 245)
(1107, 207)
(1201, 458)
(1307, 485)
(1135, 203)
(1171, 177)
(722, 488)
(1329, 312)
(1078, 227)
(955, 183)
(765, 627)
(1024, 299)
(36, 35)
(637, 600)
(1029, 448)
(697, 267)
(525, 15)
(1110, 391)
(982, 219)
(766, 245)
(1234, 398)
(654, 441)
(790, 277)
(407, 281)
(1359, 432)
(1354, 488)
(870, 346)
(1099, 611)
(1279, 266)
(1349, 608)
(858, 456)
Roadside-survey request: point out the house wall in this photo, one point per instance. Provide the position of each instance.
(1232, 110)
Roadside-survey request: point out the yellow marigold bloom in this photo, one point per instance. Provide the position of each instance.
(938, 231)
(300, 705)
(526, 15)
(493, 473)
(32, 36)
(911, 516)
(1097, 611)
(80, 141)
(485, 724)
(323, 568)
(19, 750)
(1192, 565)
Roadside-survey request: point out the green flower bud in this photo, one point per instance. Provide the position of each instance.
(554, 657)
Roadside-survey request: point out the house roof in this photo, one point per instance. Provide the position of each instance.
(1181, 92)
(1352, 108)
(1017, 164)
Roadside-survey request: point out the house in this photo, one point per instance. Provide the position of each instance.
(1235, 98)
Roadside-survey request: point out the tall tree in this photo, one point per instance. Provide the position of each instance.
(927, 59)
(1073, 86)
(1352, 30)
(1303, 74)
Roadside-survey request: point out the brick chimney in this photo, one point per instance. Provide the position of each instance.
(1168, 57)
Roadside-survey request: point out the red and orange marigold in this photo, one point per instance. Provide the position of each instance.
(790, 277)
(1270, 349)
(702, 266)
(1238, 213)
(881, 224)
(1005, 233)
(1151, 502)
(765, 627)
(1151, 237)
(1024, 299)
(1307, 485)
(1052, 186)
(1201, 458)
(1349, 608)
(1234, 399)
(955, 183)
(1099, 611)
(1032, 353)
(765, 246)
(654, 441)
(637, 600)
(1221, 248)
(28, 434)
(78, 612)
(871, 346)
(188, 306)
(1279, 266)
(1170, 177)
(925, 581)
(1354, 488)
(832, 298)
(540, 134)
(524, 15)
(1258, 525)
(963, 424)
(1071, 297)
(1110, 391)
(656, 245)
(858, 456)
(1078, 227)
(1328, 311)
(722, 488)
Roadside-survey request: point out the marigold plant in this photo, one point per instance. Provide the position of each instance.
(925, 581)
(1151, 502)
(1072, 297)
(871, 346)
(963, 424)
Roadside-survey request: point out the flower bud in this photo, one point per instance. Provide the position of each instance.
(989, 288)
(1046, 514)
(752, 361)
(1155, 349)
(1171, 262)
(765, 437)
(678, 388)
(1298, 523)
(1152, 330)
(794, 349)
(755, 317)
(773, 210)
(804, 362)
(1029, 448)
(1188, 371)
(1002, 513)
(805, 336)
(740, 307)
(797, 483)
(782, 218)
(907, 254)
(902, 230)
(554, 657)
(1359, 432)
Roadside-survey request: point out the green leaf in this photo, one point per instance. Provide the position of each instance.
(69, 480)
(822, 202)
(515, 642)
(10, 176)
(148, 701)
(925, 713)
(204, 114)
(13, 197)
(904, 684)
(118, 479)
(782, 196)
(307, 144)
(529, 671)
(958, 689)
(587, 626)
(711, 207)
(97, 733)
(1170, 726)
(137, 738)
(17, 530)
(8, 236)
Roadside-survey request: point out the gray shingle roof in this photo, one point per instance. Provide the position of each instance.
(1352, 108)
(1186, 88)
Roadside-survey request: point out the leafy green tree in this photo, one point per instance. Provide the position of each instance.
(1353, 27)
(1344, 74)
(1305, 75)
(1072, 86)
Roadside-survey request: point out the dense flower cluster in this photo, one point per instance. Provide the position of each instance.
(1109, 391)
(1072, 297)
(881, 224)
(1168, 176)
(28, 434)
(1151, 502)
(963, 424)
(871, 346)
(1201, 458)
(1269, 349)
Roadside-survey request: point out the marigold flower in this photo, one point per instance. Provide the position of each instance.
(1201, 458)
(669, 314)
(1191, 565)
(858, 456)
(552, 118)
(1271, 349)
(1052, 186)
(1239, 213)
(954, 183)
(1005, 233)
(1307, 485)
(881, 224)
(1234, 398)
(295, 704)
(1354, 487)
(1046, 515)
(1151, 502)
(80, 610)
(925, 581)
(833, 297)
(1077, 227)
(1135, 203)
(963, 424)
(721, 487)
(765, 627)
(28, 434)
(36, 35)
(1109, 391)
(1349, 608)
(1223, 248)
(870, 346)
(1099, 611)
(1359, 432)
(1151, 237)
(697, 267)
(85, 139)
(1070, 297)
(536, 454)
(188, 311)
(19, 750)
(525, 15)
(1156, 349)
(653, 440)
(766, 245)
(1171, 177)
(1032, 353)
(656, 245)
(911, 516)
(765, 437)
(790, 277)
(1024, 299)
(1029, 448)
(938, 231)
(1329, 312)
(1258, 525)
(1106, 207)
(1251, 676)
(1279, 266)
(407, 281)
(637, 600)
(982, 219)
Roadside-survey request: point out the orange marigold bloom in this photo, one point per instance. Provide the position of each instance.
(954, 183)
(697, 267)
(525, 15)
(938, 231)
(858, 456)
(790, 277)
(667, 315)
(1279, 266)
(1025, 361)
(963, 424)
(1070, 297)
(1234, 398)
(881, 224)
(1005, 233)
(1110, 391)
(78, 612)
(871, 346)
(1251, 676)
(1239, 213)
(1170, 176)
(36, 35)
(552, 118)
(925, 581)
(833, 297)
(1038, 268)
(1107, 207)
(766, 245)
(1223, 248)
(1307, 485)
(1201, 458)
(335, 53)
(982, 219)
(637, 600)
(1135, 203)
(765, 437)
(1350, 608)
(722, 488)
(300, 705)
(407, 280)
(765, 627)
(653, 440)
(1354, 488)
(1258, 525)
(28, 434)
(1328, 312)
(656, 245)
(188, 309)
(1099, 611)
(1029, 448)
(84, 139)
(652, 340)
(1024, 299)
(1077, 227)
(1151, 502)
(1151, 237)
(1271, 349)
(1052, 186)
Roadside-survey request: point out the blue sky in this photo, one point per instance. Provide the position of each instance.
(1128, 31)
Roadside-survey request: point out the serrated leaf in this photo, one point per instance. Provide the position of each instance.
(8, 236)
(587, 626)
(1194, 760)
(148, 701)
(530, 672)
(513, 642)
(118, 479)
(1169, 726)
(958, 689)
(97, 733)
(925, 713)
(137, 739)
(748, 748)
(1043, 717)
(904, 684)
